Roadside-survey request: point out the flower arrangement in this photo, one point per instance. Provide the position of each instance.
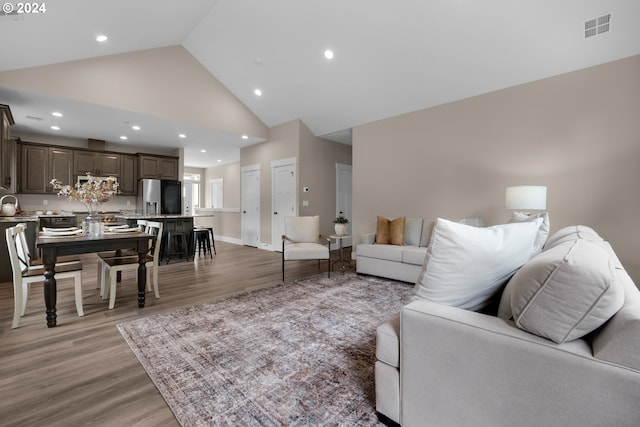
(91, 193)
(341, 220)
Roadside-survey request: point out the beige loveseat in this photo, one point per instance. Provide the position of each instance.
(440, 365)
(399, 262)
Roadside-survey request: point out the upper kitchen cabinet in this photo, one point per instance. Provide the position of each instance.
(96, 163)
(157, 167)
(40, 164)
(8, 153)
(128, 180)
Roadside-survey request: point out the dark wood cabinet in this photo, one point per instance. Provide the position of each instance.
(96, 163)
(60, 166)
(40, 164)
(7, 150)
(157, 167)
(33, 169)
(128, 180)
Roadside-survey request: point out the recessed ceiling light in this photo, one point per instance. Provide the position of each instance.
(123, 137)
(135, 127)
(328, 54)
(55, 128)
(102, 38)
(258, 92)
(203, 151)
(219, 160)
(245, 136)
(182, 135)
(57, 114)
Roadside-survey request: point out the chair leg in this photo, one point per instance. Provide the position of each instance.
(77, 280)
(329, 267)
(26, 287)
(112, 290)
(156, 286)
(17, 305)
(98, 283)
(104, 278)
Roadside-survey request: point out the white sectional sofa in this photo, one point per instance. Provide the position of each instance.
(442, 365)
(399, 262)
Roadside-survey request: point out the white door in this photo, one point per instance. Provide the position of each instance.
(344, 196)
(251, 205)
(284, 198)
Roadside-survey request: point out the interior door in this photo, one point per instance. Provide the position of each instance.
(344, 196)
(284, 199)
(251, 206)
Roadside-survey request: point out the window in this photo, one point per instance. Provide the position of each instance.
(191, 191)
(217, 193)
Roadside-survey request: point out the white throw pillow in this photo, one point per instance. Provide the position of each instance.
(465, 266)
(543, 231)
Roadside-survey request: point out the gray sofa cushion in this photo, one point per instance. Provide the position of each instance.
(571, 233)
(414, 255)
(618, 341)
(566, 292)
(412, 231)
(386, 252)
(388, 342)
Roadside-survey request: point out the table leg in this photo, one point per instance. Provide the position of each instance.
(50, 287)
(142, 277)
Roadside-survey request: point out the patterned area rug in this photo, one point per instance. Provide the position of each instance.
(299, 354)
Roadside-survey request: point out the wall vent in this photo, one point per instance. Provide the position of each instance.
(599, 25)
(35, 118)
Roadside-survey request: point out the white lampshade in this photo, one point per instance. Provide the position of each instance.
(526, 197)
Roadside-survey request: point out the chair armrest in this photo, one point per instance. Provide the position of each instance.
(325, 238)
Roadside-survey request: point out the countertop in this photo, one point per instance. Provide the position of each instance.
(141, 216)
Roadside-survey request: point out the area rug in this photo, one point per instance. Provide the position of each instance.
(302, 353)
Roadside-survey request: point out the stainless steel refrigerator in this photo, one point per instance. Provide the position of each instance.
(159, 197)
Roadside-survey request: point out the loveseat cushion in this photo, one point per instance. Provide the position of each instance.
(571, 233)
(414, 255)
(465, 266)
(386, 252)
(412, 231)
(566, 292)
(388, 342)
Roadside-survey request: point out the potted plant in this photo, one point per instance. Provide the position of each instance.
(341, 225)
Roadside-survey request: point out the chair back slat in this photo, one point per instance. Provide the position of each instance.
(155, 229)
(19, 260)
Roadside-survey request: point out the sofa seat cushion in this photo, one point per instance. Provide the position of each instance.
(388, 342)
(414, 255)
(566, 292)
(387, 252)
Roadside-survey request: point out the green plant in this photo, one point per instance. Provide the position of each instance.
(341, 220)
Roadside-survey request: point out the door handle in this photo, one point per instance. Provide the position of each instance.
(244, 211)
(275, 213)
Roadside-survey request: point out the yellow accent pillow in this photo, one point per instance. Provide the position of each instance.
(390, 231)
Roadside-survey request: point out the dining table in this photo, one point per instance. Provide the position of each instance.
(52, 246)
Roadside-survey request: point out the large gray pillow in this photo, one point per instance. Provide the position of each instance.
(566, 292)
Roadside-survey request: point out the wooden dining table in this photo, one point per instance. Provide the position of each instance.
(54, 246)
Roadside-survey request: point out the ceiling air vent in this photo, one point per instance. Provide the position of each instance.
(35, 118)
(595, 26)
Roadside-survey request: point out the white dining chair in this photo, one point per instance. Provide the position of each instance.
(25, 274)
(109, 267)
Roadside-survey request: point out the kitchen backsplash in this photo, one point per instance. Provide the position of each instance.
(35, 202)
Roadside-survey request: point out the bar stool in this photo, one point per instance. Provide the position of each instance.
(203, 237)
(177, 244)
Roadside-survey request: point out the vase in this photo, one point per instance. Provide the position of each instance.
(341, 229)
(92, 225)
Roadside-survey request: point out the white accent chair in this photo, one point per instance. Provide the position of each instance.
(109, 267)
(25, 274)
(302, 241)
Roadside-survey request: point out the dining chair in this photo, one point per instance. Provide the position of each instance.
(302, 241)
(109, 267)
(25, 274)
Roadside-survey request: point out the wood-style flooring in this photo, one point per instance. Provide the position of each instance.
(82, 373)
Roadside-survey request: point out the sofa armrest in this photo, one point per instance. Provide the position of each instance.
(464, 368)
(368, 239)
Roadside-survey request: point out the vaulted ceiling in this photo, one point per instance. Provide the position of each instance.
(390, 57)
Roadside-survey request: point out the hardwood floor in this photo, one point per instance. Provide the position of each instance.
(82, 372)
